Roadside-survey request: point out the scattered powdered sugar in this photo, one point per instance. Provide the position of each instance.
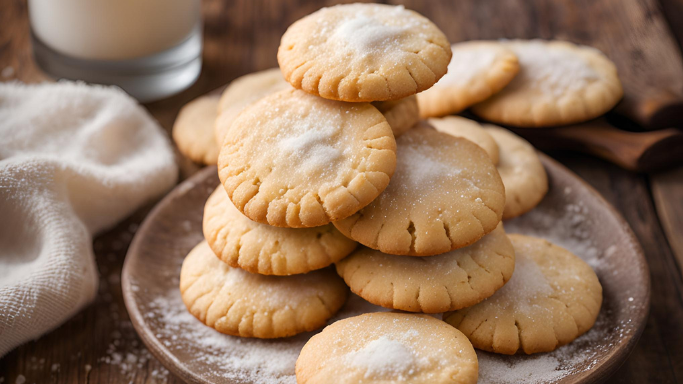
(384, 358)
(554, 71)
(227, 357)
(466, 64)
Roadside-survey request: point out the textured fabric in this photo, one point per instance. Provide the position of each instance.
(74, 160)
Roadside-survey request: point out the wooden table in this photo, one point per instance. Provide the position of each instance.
(99, 344)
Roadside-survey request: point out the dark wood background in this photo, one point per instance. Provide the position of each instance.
(643, 37)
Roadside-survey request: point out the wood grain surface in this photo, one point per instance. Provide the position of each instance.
(642, 36)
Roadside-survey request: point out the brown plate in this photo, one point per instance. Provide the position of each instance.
(572, 215)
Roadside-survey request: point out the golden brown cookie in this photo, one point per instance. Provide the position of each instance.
(477, 70)
(445, 194)
(401, 114)
(243, 91)
(388, 348)
(523, 174)
(363, 52)
(239, 303)
(297, 160)
(434, 284)
(558, 83)
(471, 130)
(552, 298)
(193, 130)
(267, 250)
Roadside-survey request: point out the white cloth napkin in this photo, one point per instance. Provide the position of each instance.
(74, 160)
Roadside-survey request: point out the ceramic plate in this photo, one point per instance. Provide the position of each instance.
(572, 215)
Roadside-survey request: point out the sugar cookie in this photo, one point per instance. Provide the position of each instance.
(471, 130)
(239, 303)
(363, 52)
(401, 114)
(558, 83)
(445, 194)
(243, 91)
(267, 250)
(434, 284)
(297, 160)
(477, 70)
(523, 174)
(193, 130)
(552, 298)
(388, 348)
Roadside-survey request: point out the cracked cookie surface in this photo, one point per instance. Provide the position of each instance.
(558, 83)
(193, 130)
(520, 168)
(239, 303)
(552, 298)
(363, 52)
(267, 250)
(434, 284)
(477, 70)
(445, 194)
(296, 160)
(388, 348)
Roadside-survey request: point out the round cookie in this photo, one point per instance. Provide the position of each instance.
(552, 298)
(267, 250)
(445, 194)
(239, 303)
(193, 130)
(471, 130)
(243, 91)
(477, 70)
(296, 160)
(363, 52)
(387, 347)
(523, 174)
(401, 114)
(435, 284)
(558, 83)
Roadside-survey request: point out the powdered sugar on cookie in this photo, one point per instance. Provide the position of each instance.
(466, 65)
(365, 34)
(527, 284)
(310, 141)
(552, 71)
(384, 358)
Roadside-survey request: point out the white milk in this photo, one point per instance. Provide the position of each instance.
(112, 29)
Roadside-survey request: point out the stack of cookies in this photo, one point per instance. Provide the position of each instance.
(334, 155)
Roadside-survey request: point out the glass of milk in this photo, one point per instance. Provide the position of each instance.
(150, 48)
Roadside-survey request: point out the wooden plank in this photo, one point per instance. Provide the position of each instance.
(673, 11)
(15, 44)
(667, 192)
